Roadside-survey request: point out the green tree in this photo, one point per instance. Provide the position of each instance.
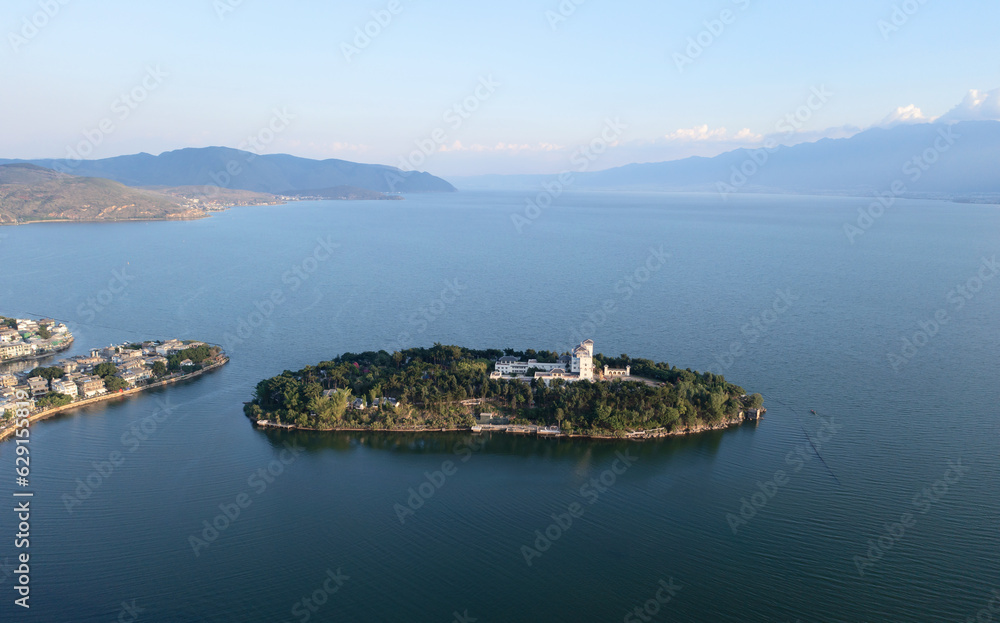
(43, 332)
(105, 370)
(114, 383)
(756, 401)
(159, 368)
(49, 374)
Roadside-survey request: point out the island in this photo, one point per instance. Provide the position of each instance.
(105, 373)
(443, 388)
(23, 339)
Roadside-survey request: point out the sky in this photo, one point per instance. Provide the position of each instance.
(472, 88)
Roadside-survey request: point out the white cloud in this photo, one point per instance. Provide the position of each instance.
(977, 106)
(704, 133)
(904, 114)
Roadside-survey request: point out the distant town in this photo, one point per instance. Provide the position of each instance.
(23, 340)
(103, 373)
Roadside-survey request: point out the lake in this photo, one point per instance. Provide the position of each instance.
(883, 505)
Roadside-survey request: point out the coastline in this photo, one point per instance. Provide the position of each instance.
(50, 353)
(9, 430)
(523, 429)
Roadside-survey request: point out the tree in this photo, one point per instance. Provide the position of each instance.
(43, 332)
(49, 374)
(756, 401)
(105, 370)
(159, 368)
(114, 383)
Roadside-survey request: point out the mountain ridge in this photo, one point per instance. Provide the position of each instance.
(225, 167)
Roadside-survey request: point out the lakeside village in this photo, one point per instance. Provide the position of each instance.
(23, 340)
(103, 373)
(543, 393)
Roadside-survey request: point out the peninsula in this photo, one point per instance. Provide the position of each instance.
(105, 373)
(454, 388)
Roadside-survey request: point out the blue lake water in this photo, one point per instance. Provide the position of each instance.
(768, 290)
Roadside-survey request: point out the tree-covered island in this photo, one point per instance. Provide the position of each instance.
(451, 387)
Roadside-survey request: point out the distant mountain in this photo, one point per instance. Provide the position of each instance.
(960, 161)
(277, 174)
(32, 193)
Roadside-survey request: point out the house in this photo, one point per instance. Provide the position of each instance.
(90, 386)
(492, 418)
(617, 372)
(39, 386)
(580, 365)
(391, 402)
(359, 404)
(8, 380)
(16, 349)
(66, 387)
(187, 362)
(68, 365)
(8, 335)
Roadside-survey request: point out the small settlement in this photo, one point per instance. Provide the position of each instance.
(22, 338)
(110, 369)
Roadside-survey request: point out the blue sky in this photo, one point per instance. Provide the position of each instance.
(219, 71)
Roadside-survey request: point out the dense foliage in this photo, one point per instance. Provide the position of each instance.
(52, 400)
(197, 355)
(49, 374)
(430, 384)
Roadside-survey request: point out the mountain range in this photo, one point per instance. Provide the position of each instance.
(277, 174)
(959, 161)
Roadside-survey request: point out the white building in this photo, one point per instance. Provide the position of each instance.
(67, 388)
(583, 360)
(580, 365)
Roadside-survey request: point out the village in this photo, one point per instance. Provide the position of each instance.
(24, 339)
(109, 370)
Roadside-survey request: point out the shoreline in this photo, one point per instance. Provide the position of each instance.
(8, 431)
(521, 429)
(51, 353)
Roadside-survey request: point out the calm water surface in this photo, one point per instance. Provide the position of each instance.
(355, 276)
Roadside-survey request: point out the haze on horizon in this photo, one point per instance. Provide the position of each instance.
(515, 87)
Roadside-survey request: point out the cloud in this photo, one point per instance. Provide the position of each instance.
(704, 133)
(904, 114)
(977, 106)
